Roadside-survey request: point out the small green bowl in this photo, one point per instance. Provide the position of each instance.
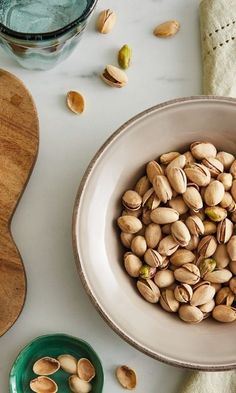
(53, 345)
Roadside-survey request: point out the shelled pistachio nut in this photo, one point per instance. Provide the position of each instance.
(192, 198)
(216, 213)
(131, 200)
(166, 158)
(226, 179)
(43, 384)
(164, 278)
(223, 313)
(114, 77)
(147, 272)
(190, 314)
(195, 225)
(202, 294)
(207, 246)
(198, 174)
(231, 248)
(225, 296)
(149, 290)
(153, 235)
(224, 231)
(142, 185)
(201, 150)
(177, 179)
(106, 21)
(180, 233)
(150, 199)
(187, 274)
(181, 257)
(167, 246)
(167, 29)
(215, 166)
(153, 169)
(132, 264)
(168, 301)
(183, 293)
(124, 56)
(218, 276)
(153, 258)
(164, 215)
(227, 159)
(162, 188)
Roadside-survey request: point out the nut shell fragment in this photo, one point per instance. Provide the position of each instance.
(68, 363)
(85, 370)
(43, 384)
(46, 366)
(167, 29)
(75, 102)
(78, 386)
(126, 377)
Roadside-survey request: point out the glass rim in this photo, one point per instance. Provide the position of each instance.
(52, 34)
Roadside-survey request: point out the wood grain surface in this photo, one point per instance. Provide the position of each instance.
(19, 138)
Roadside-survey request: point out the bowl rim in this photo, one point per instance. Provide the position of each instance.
(58, 335)
(125, 336)
(5, 31)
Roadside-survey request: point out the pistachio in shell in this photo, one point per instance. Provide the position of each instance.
(226, 179)
(192, 198)
(214, 193)
(149, 290)
(77, 385)
(232, 285)
(129, 224)
(225, 296)
(178, 204)
(216, 213)
(85, 370)
(215, 166)
(126, 376)
(226, 159)
(153, 169)
(207, 246)
(142, 185)
(126, 239)
(166, 158)
(153, 235)
(43, 384)
(198, 174)
(147, 272)
(218, 276)
(203, 294)
(162, 188)
(153, 258)
(181, 257)
(180, 233)
(167, 246)
(46, 366)
(224, 231)
(114, 77)
(131, 200)
(231, 248)
(190, 314)
(201, 150)
(168, 301)
(195, 225)
(164, 278)
(132, 265)
(68, 363)
(164, 215)
(223, 313)
(187, 274)
(183, 293)
(139, 245)
(177, 179)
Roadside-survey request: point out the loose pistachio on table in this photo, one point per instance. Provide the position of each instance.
(179, 231)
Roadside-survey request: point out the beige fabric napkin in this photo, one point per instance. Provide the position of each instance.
(218, 40)
(211, 382)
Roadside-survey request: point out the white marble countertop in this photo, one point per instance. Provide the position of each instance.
(161, 70)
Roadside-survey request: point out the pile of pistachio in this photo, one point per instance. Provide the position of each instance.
(178, 224)
(82, 372)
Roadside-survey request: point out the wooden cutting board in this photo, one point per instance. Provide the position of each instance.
(19, 139)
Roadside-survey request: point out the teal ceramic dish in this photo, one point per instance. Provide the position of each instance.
(53, 345)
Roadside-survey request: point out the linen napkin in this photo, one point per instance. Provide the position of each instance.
(210, 382)
(218, 41)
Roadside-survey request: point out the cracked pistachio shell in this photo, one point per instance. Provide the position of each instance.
(224, 296)
(180, 233)
(153, 235)
(226, 201)
(226, 179)
(231, 248)
(232, 285)
(190, 314)
(150, 199)
(192, 245)
(206, 265)
(85, 370)
(153, 258)
(77, 385)
(201, 150)
(43, 385)
(166, 158)
(225, 158)
(167, 246)
(178, 162)
(195, 225)
(126, 377)
(153, 169)
(177, 179)
(207, 246)
(193, 198)
(224, 231)
(233, 189)
(203, 294)
(183, 293)
(198, 174)
(223, 313)
(124, 56)
(142, 185)
(164, 278)
(146, 216)
(106, 21)
(132, 265)
(233, 169)
(126, 239)
(187, 274)
(147, 272)
(209, 227)
(131, 200)
(168, 301)
(214, 193)
(68, 363)
(178, 204)
(46, 366)
(216, 213)
(218, 276)
(129, 224)
(139, 245)
(149, 290)
(164, 215)
(215, 166)
(167, 29)
(162, 188)
(232, 267)
(181, 257)
(114, 77)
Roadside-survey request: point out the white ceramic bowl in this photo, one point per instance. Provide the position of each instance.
(118, 164)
